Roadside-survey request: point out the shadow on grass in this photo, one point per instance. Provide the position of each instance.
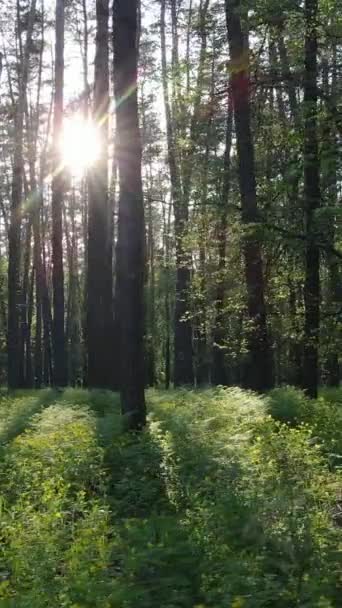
(18, 408)
(160, 484)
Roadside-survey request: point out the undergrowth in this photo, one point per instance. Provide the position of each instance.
(226, 500)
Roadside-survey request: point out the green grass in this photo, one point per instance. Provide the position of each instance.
(226, 500)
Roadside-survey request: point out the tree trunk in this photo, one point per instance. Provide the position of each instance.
(183, 364)
(73, 324)
(330, 156)
(219, 373)
(259, 374)
(151, 309)
(202, 364)
(28, 350)
(58, 186)
(131, 236)
(14, 244)
(166, 260)
(25, 292)
(99, 280)
(312, 202)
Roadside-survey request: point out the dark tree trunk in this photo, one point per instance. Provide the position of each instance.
(288, 78)
(259, 374)
(40, 287)
(14, 248)
(46, 302)
(312, 202)
(167, 227)
(73, 332)
(58, 186)
(38, 352)
(203, 375)
(335, 299)
(25, 293)
(330, 158)
(131, 237)
(28, 350)
(99, 280)
(14, 244)
(150, 370)
(36, 210)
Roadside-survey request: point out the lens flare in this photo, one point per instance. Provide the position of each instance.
(80, 145)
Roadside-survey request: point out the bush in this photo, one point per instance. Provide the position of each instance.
(287, 404)
(324, 416)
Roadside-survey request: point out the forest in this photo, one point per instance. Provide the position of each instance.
(170, 303)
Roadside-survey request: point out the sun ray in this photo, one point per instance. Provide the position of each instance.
(80, 145)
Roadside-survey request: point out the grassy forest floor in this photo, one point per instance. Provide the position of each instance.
(225, 500)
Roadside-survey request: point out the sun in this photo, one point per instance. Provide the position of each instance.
(80, 145)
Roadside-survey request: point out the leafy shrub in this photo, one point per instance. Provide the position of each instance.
(287, 404)
(324, 416)
(332, 395)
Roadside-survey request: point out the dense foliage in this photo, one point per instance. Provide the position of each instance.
(225, 500)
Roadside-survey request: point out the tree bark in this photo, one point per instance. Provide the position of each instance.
(219, 373)
(14, 233)
(312, 202)
(99, 280)
(131, 236)
(183, 364)
(259, 373)
(329, 156)
(58, 187)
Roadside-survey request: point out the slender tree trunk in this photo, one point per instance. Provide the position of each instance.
(312, 202)
(25, 292)
(219, 373)
(295, 210)
(37, 198)
(131, 237)
(99, 281)
(73, 325)
(188, 49)
(295, 346)
(14, 233)
(260, 369)
(29, 380)
(167, 227)
(14, 251)
(151, 284)
(48, 377)
(183, 351)
(85, 58)
(202, 367)
(40, 280)
(329, 156)
(288, 78)
(58, 187)
(42, 286)
(183, 364)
